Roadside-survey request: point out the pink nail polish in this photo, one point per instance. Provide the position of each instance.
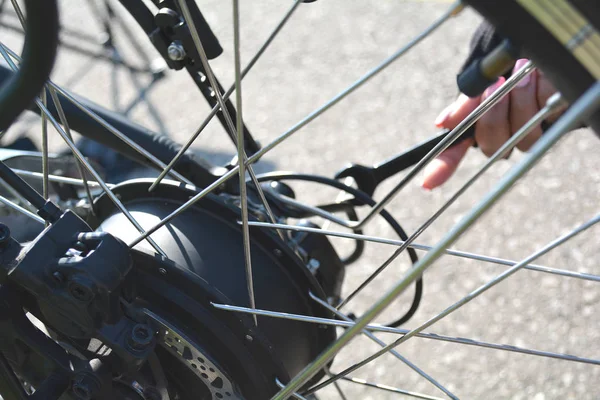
(518, 65)
(493, 87)
(439, 121)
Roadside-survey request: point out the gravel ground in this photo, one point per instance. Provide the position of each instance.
(325, 47)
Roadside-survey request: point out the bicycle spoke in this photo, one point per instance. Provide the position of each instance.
(388, 388)
(226, 96)
(294, 395)
(555, 102)
(380, 342)
(17, 195)
(19, 13)
(422, 247)
(241, 156)
(45, 165)
(159, 164)
(22, 210)
(65, 124)
(59, 179)
(402, 331)
(588, 103)
(337, 387)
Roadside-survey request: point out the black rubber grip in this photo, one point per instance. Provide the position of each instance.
(472, 82)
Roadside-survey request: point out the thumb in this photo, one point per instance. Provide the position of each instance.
(457, 111)
(442, 168)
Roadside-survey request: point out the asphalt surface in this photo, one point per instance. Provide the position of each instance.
(325, 47)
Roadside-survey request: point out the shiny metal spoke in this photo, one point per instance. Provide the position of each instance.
(482, 289)
(241, 155)
(59, 179)
(339, 390)
(388, 388)
(45, 165)
(294, 395)
(380, 342)
(22, 210)
(226, 96)
(403, 331)
(16, 195)
(67, 128)
(19, 13)
(579, 111)
(159, 164)
(422, 247)
(554, 103)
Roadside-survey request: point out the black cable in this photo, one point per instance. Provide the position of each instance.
(366, 199)
(39, 52)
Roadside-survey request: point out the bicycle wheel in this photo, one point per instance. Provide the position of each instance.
(250, 286)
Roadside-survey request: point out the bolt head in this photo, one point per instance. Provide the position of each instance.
(141, 337)
(176, 52)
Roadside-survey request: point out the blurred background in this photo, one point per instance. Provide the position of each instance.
(325, 47)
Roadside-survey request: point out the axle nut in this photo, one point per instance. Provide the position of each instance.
(141, 337)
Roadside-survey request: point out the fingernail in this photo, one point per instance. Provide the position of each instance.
(426, 184)
(494, 87)
(527, 78)
(443, 117)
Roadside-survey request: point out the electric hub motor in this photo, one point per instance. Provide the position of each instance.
(205, 265)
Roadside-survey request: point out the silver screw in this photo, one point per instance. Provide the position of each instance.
(313, 265)
(176, 51)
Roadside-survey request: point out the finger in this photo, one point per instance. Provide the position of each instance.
(545, 89)
(523, 106)
(493, 128)
(457, 111)
(441, 169)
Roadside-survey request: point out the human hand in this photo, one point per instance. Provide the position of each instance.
(495, 127)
